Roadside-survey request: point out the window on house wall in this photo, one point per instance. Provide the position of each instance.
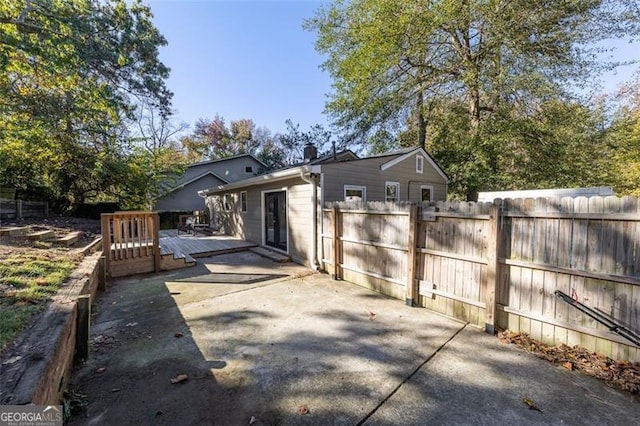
(248, 169)
(243, 201)
(392, 191)
(355, 193)
(419, 163)
(426, 193)
(227, 202)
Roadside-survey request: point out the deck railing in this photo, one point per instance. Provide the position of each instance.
(131, 242)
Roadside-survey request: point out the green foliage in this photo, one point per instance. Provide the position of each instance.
(71, 74)
(13, 320)
(624, 139)
(486, 86)
(213, 139)
(27, 280)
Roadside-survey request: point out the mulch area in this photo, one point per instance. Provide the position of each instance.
(623, 375)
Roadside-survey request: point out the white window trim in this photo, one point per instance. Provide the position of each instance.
(243, 209)
(419, 164)
(430, 188)
(397, 185)
(356, 188)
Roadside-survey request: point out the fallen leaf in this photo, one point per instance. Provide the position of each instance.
(116, 390)
(100, 370)
(568, 365)
(179, 379)
(178, 335)
(303, 409)
(531, 404)
(252, 420)
(372, 315)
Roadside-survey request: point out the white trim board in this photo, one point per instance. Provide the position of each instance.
(417, 151)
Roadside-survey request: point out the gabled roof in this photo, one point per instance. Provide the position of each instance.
(409, 153)
(314, 166)
(346, 155)
(218, 160)
(278, 175)
(196, 178)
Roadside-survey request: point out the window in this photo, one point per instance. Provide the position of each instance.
(248, 169)
(226, 202)
(419, 163)
(392, 191)
(426, 193)
(243, 201)
(355, 193)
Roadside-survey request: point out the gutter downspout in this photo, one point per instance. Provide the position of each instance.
(314, 226)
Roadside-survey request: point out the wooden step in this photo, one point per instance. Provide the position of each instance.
(45, 235)
(169, 262)
(15, 231)
(69, 239)
(270, 254)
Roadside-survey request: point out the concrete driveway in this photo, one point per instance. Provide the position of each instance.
(265, 343)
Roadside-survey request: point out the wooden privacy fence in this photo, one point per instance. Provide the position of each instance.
(20, 209)
(131, 243)
(499, 264)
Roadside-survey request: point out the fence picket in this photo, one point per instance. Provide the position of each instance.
(586, 247)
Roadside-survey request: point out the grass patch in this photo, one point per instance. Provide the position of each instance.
(28, 279)
(13, 319)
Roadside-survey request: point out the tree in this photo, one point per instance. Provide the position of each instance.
(461, 69)
(212, 139)
(156, 159)
(624, 138)
(390, 60)
(71, 73)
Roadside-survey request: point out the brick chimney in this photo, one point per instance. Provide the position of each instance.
(310, 152)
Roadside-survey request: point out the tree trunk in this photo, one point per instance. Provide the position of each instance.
(421, 122)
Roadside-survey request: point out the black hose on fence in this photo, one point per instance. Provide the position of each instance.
(601, 318)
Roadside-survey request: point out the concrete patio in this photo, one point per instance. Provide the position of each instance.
(267, 343)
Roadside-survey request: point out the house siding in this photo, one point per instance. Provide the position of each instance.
(367, 173)
(248, 225)
(187, 198)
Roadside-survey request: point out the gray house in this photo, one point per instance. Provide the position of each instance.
(183, 194)
(281, 210)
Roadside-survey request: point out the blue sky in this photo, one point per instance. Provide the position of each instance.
(252, 59)
(243, 59)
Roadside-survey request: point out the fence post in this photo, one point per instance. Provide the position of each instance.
(493, 275)
(335, 243)
(18, 208)
(46, 209)
(156, 241)
(106, 241)
(102, 273)
(83, 321)
(412, 294)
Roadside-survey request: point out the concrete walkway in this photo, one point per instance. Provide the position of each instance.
(266, 343)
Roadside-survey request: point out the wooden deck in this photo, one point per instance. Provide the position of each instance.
(189, 246)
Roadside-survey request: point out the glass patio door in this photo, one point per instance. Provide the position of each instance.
(275, 220)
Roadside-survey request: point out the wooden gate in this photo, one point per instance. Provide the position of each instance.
(130, 242)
